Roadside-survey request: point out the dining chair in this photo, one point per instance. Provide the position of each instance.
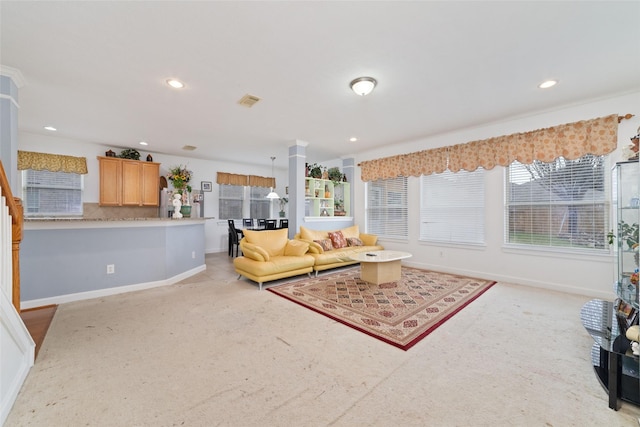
(234, 241)
(262, 223)
(284, 223)
(271, 224)
(247, 222)
(234, 237)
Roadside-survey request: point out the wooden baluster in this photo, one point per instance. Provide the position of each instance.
(16, 238)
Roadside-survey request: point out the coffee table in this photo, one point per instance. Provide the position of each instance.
(380, 266)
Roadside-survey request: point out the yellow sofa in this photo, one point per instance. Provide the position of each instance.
(270, 255)
(329, 256)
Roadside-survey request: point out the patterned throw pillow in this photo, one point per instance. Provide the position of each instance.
(337, 239)
(325, 243)
(354, 241)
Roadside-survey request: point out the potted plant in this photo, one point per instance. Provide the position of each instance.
(335, 175)
(627, 233)
(338, 205)
(315, 170)
(283, 204)
(130, 153)
(180, 177)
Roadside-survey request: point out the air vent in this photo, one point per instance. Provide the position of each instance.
(248, 100)
(189, 148)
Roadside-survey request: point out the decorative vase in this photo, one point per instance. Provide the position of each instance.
(281, 214)
(185, 211)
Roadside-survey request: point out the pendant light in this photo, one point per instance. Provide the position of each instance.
(272, 194)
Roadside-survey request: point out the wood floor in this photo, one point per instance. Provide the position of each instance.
(37, 321)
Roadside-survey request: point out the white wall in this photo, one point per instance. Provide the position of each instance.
(203, 170)
(591, 275)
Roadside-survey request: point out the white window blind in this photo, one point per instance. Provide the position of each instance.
(387, 208)
(230, 201)
(561, 204)
(235, 199)
(48, 193)
(259, 205)
(452, 207)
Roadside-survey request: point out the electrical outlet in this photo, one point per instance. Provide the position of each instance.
(193, 254)
(111, 268)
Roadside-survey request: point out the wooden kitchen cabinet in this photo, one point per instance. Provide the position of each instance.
(150, 188)
(110, 181)
(125, 182)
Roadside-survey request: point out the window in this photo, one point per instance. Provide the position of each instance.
(386, 210)
(452, 207)
(48, 193)
(563, 203)
(230, 201)
(235, 199)
(259, 205)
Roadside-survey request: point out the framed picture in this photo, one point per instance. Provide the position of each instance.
(205, 185)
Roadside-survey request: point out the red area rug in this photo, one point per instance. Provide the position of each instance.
(399, 313)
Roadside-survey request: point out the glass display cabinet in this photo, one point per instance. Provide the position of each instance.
(627, 203)
(615, 365)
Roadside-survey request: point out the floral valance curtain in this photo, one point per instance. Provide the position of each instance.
(597, 136)
(251, 180)
(51, 162)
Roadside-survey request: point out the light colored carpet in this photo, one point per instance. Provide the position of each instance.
(216, 351)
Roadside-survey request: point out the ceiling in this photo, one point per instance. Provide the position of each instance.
(97, 71)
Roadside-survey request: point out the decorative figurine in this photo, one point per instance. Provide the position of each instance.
(177, 205)
(149, 158)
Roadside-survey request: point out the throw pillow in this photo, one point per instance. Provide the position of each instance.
(337, 239)
(272, 241)
(353, 231)
(325, 243)
(354, 241)
(296, 248)
(309, 234)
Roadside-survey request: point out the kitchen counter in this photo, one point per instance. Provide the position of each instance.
(48, 223)
(69, 259)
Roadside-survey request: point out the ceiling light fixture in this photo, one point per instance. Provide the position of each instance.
(353, 139)
(363, 85)
(547, 84)
(176, 84)
(51, 128)
(272, 194)
(143, 143)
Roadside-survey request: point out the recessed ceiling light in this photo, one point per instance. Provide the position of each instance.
(547, 84)
(177, 84)
(143, 143)
(353, 139)
(51, 128)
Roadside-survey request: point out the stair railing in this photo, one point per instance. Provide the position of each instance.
(11, 227)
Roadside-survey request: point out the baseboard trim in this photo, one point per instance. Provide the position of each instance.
(61, 299)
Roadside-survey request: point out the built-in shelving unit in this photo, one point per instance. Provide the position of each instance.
(326, 198)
